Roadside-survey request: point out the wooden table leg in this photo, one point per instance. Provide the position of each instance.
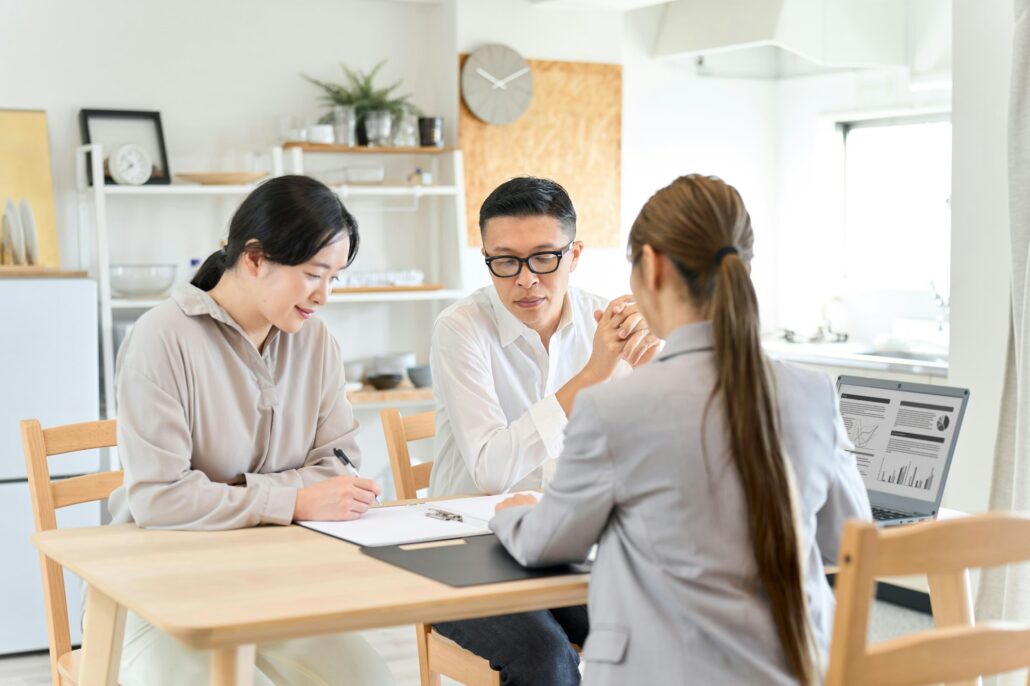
(233, 666)
(102, 638)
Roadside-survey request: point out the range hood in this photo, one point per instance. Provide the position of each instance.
(782, 38)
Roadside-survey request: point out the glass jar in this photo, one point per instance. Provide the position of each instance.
(406, 135)
(345, 125)
(378, 126)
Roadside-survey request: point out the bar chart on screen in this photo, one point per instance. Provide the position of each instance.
(907, 475)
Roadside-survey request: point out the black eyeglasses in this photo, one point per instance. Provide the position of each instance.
(506, 266)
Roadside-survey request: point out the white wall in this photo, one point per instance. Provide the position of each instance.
(980, 276)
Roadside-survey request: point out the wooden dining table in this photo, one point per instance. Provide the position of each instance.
(227, 591)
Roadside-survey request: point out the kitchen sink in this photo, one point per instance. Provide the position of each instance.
(908, 355)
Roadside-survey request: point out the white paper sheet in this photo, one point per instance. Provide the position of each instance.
(410, 524)
(481, 508)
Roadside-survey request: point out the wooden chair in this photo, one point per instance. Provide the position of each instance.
(437, 655)
(956, 650)
(49, 496)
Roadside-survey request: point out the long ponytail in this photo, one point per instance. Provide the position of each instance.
(701, 224)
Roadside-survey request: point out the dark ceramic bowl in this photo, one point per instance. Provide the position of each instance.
(384, 382)
(421, 376)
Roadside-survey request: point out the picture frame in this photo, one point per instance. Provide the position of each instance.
(111, 128)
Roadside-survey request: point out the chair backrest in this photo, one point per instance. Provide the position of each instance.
(49, 496)
(399, 431)
(955, 650)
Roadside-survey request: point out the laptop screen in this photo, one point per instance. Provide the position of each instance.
(903, 439)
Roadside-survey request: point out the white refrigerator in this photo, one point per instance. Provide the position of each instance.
(49, 370)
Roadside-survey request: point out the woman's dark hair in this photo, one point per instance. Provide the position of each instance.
(288, 219)
(700, 223)
(528, 196)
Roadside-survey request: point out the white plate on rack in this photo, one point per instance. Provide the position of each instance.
(14, 240)
(28, 229)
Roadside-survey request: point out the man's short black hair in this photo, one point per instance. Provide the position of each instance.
(528, 196)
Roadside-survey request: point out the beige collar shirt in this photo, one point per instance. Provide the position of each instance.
(212, 433)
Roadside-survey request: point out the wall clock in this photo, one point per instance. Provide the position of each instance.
(497, 84)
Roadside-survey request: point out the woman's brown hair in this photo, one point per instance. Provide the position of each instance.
(700, 223)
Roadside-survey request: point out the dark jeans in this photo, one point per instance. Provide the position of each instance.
(531, 648)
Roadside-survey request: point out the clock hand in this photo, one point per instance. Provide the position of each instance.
(489, 77)
(503, 83)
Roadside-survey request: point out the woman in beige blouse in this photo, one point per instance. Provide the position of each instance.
(230, 404)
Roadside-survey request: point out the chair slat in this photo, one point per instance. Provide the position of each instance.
(85, 436)
(84, 489)
(420, 475)
(420, 426)
(989, 540)
(949, 654)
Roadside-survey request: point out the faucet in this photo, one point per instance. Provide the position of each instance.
(943, 306)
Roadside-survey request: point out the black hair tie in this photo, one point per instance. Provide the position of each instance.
(723, 252)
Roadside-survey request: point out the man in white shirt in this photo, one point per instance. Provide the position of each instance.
(508, 362)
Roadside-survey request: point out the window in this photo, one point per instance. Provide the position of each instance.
(897, 219)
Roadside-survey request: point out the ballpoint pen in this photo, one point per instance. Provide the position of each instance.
(350, 465)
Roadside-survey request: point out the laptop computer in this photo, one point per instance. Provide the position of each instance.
(904, 437)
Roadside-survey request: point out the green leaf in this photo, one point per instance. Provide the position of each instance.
(359, 91)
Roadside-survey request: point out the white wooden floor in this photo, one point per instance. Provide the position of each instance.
(397, 646)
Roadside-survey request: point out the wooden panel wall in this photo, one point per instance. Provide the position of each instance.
(572, 133)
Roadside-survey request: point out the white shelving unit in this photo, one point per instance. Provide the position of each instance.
(446, 237)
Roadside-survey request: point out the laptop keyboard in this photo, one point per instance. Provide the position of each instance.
(881, 514)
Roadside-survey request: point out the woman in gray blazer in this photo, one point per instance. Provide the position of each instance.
(714, 480)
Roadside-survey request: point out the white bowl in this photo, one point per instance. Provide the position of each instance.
(138, 280)
(394, 364)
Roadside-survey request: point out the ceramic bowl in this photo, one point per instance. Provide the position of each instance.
(384, 382)
(394, 364)
(137, 280)
(421, 376)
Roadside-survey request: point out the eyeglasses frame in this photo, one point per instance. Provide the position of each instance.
(524, 261)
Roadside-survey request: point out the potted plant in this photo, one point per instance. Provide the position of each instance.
(359, 91)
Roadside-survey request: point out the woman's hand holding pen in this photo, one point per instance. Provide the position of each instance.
(339, 498)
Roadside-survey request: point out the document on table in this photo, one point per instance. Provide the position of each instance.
(401, 524)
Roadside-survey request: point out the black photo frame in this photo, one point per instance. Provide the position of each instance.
(111, 128)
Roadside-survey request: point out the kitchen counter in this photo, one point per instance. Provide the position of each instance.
(857, 356)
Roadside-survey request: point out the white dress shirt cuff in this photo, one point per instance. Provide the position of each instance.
(550, 421)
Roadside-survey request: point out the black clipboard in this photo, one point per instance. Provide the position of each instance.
(468, 561)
